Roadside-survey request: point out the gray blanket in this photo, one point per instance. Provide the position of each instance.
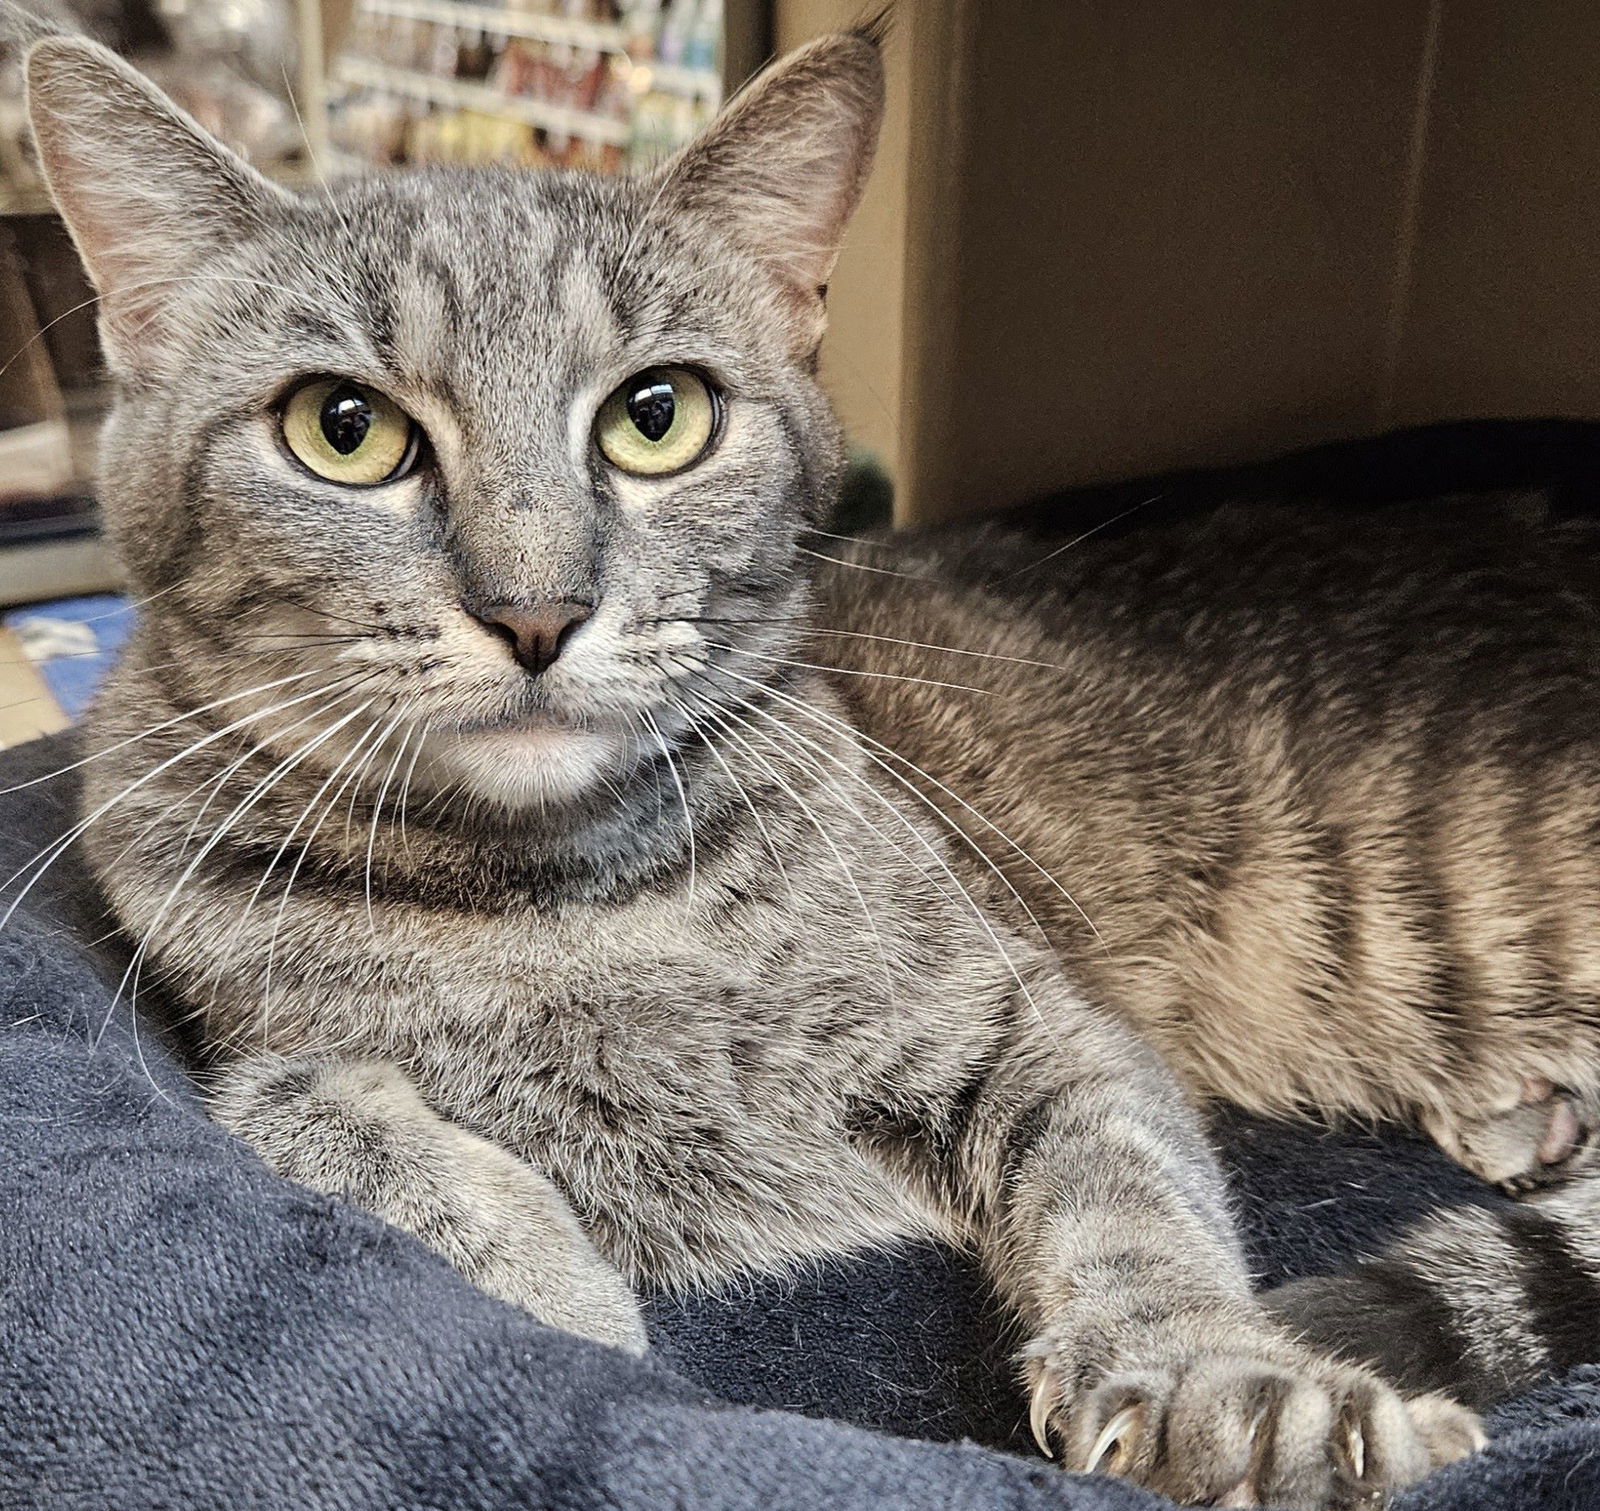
(180, 1329)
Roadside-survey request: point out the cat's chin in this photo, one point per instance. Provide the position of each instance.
(526, 766)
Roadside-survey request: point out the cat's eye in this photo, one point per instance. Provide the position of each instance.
(661, 420)
(349, 433)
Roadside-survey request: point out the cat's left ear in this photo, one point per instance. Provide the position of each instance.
(781, 170)
(148, 195)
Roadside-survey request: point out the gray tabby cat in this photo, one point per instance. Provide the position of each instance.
(483, 777)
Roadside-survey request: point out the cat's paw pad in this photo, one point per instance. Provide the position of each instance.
(1547, 1136)
(1238, 1429)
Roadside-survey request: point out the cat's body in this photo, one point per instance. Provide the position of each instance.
(518, 823)
(1217, 807)
(1325, 790)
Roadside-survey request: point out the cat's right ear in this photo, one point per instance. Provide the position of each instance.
(148, 195)
(781, 170)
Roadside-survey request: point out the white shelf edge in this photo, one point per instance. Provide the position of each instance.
(692, 83)
(363, 73)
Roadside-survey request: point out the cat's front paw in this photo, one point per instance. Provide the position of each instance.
(359, 1129)
(1267, 1425)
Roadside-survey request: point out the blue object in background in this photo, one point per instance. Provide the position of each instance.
(72, 642)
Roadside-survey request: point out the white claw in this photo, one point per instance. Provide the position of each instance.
(1039, 1416)
(1111, 1438)
(1358, 1451)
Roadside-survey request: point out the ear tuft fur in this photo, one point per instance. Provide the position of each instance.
(876, 28)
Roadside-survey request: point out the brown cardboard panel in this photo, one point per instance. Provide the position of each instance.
(941, 160)
(746, 40)
(1176, 239)
(1504, 306)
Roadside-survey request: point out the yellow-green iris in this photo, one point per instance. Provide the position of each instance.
(348, 433)
(659, 421)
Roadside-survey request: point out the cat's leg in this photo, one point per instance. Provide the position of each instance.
(1485, 1301)
(1542, 1134)
(359, 1129)
(1098, 1208)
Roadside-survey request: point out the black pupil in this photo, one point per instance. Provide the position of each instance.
(346, 418)
(652, 407)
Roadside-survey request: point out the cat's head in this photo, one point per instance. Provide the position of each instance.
(499, 458)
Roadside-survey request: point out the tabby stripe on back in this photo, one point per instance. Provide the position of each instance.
(1447, 991)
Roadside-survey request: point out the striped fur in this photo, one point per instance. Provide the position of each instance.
(1328, 791)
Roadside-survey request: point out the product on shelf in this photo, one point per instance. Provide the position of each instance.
(568, 83)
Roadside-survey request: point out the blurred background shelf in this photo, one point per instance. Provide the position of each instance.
(691, 83)
(362, 73)
(606, 85)
(501, 21)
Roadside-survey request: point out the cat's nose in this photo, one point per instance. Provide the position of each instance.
(536, 632)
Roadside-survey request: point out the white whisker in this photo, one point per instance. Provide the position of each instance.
(861, 566)
(816, 823)
(377, 810)
(405, 790)
(59, 846)
(155, 729)
(955, 797)
(217, 836)
(300, 860)
(852, 733)
(683, 797)
(853, 540)
(976, 908)
(949, 650)
(739, 787)
(847, 671)
(1104, 524)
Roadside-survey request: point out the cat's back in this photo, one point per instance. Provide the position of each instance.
(1323, 783)
(1415, 603)
(1469, 626)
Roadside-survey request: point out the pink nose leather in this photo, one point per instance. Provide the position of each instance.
(537, 632)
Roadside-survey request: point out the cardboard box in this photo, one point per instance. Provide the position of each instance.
(1107, 240)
